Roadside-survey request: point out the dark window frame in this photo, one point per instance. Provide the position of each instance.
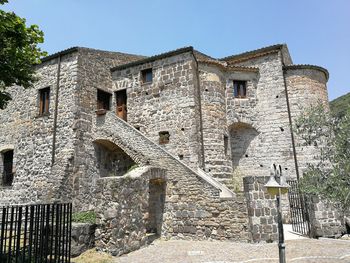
(44, 101)
(147, 76)
(8, 168)
(121, 98)
(103, 100)
(240, 89)
(226, 144)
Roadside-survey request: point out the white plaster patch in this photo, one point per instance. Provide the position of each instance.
(211, 77)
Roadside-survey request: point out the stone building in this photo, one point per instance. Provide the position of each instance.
(159, 146)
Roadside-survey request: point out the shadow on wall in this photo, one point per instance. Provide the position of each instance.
(242, 148)
(156, 202)
(111, 160)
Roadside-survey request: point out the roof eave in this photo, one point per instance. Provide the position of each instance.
(61, 53)
(254, 53)
(153, 58)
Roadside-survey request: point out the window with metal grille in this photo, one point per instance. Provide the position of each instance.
(239, 89)
(44, 101)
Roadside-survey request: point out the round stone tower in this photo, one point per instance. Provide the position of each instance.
(307, 86)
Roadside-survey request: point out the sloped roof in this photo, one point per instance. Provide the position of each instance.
(75, 49)
(253, 53)
(154, 58)
(60, 53)
(308, 66)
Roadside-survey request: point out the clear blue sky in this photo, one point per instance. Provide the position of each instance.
(316, 31)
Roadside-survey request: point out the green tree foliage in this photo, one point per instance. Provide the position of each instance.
(329, 177)
(19, 52)
(340, 105)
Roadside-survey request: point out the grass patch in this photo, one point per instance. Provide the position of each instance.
(84, 217)
(93, 256)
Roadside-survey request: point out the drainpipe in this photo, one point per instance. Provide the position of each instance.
(56, 110)
(290, 120)
(200, 112)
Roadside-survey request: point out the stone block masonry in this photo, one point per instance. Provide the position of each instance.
(83, 238)
(182, 113)
(193, 209)
(262, 210)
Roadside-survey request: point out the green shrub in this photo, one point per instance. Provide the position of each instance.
(84, 217)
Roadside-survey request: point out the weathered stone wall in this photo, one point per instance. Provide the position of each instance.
(325, 219)
(306, 87)
(93, 73)
(193, 209)
(31, 135)
(122, 209)
(82, 238)
(262, 210)
(168, 103)
(213, 102)
(266, 112)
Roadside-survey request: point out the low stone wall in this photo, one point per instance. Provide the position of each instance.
(324, 219)
(83, 238)
(262, 210)
(122, 210)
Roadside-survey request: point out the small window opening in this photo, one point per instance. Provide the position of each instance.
(281, 128)
(7, 174)
(226, 144)
(240, 89)
(147, 75)
(103, 100)
(121, 98)
(44, 101)
(181, 156)
(164, 137)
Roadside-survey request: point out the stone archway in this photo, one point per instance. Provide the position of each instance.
(111, 160)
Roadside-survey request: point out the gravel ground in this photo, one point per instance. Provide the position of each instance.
(297, 251)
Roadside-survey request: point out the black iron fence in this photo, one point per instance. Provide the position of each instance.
(298, 210)
(35, 233)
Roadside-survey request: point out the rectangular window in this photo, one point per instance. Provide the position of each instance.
(239, 89)
(7, 175)
(44, 101)
(226, 144)
(103, 100)
(147, 75)
(121, 98)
